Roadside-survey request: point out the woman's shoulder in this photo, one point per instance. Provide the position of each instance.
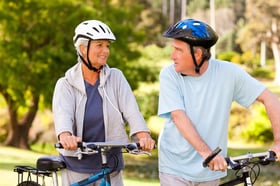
(115, 72)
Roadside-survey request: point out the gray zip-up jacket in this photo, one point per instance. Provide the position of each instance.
(119, 105)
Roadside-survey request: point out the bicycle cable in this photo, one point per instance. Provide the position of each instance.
(254, 173)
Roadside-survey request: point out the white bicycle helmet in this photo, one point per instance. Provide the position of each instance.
(93, 30)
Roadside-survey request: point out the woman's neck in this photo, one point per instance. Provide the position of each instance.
(89, 75)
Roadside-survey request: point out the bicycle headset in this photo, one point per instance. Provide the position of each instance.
(91, 30)
(195, 33)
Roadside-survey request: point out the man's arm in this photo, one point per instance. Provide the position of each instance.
(189, 132)
(272, 106)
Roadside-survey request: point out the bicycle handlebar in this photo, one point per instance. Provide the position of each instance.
(93, 147)
(238, 162)
(263, 158)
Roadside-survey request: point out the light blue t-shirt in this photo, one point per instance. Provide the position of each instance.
(207, 101)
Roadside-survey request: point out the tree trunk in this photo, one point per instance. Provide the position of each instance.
(18, 130)
(275, 49)
(276, 54)
(171, 12)
(164, 7)
(183, 9)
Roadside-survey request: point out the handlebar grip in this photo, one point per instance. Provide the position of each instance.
(133, 146)
(211, 156)
(60, 146)
(270, 158)
(139, 147)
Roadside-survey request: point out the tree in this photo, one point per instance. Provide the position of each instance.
(262, 21)
(36, 48)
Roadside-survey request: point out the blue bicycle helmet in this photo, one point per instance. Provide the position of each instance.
(194, 32)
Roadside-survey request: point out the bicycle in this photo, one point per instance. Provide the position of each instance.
(50, 165)
(246, 167)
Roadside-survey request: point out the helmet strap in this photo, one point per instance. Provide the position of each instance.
(197, 66)
(88, 64)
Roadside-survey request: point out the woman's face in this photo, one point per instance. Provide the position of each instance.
(98, 53)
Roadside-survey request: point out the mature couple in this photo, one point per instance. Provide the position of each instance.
(93, 103)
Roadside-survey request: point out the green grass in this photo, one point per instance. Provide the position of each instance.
(136, 173)
(140, 170)
(11, 157)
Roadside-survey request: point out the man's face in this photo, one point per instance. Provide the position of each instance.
(182, 58)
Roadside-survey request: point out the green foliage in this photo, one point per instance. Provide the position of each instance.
(37, 47)
(150, 63)
(147, 98)
(258, 129)
(34, 47)
(259, 17)
(252, 124)
(250, 63)
(227, 56)
(239, 118)
(263, 72)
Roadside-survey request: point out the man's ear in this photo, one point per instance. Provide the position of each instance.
(198, 54)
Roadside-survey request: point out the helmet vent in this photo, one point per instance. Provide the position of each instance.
(102, 28)
(89, 34)
(95, 29)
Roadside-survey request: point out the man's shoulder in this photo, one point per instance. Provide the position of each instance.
(168, 69)
(225, 65)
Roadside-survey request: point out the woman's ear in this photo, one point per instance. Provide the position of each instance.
(83, 49)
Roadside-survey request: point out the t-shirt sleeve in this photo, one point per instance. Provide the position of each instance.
(170, 94)
(247, 88)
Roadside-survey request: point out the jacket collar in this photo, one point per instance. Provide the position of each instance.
(74, 76)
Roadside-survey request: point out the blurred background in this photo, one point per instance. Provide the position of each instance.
(36, 48)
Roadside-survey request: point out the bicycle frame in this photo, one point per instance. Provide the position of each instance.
(104, 174)
(246, 179)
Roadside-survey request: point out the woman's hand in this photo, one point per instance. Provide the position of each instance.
(146, 141)
(68, 141)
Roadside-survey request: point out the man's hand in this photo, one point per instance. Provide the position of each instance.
(218, 164)
(276, 148)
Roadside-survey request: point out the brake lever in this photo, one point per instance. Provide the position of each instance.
(134, 149)
(270, 158)
(137, 152)
(86, 150)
